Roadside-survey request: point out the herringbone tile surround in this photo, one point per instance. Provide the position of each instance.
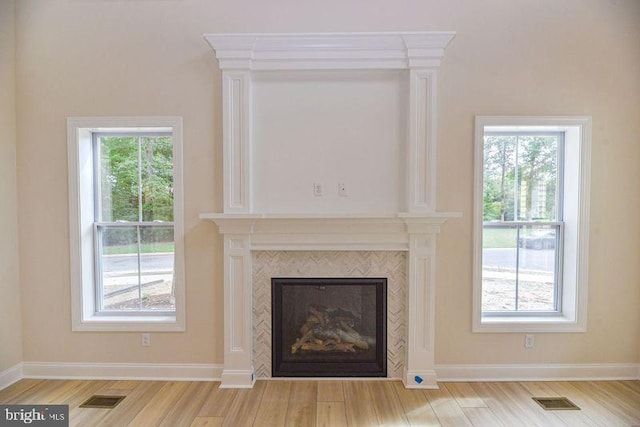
(268, 264)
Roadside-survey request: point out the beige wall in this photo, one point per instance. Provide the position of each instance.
(577, 57)
(10, 323)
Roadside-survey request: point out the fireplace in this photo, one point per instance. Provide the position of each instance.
(301, 114)
(329, 327)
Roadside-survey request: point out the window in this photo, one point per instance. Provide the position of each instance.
(531, 223)
(125, 186)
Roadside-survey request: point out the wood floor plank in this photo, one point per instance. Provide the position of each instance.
(539, 389)
(464, 394)
(274, 404)
(218, 401)
(15, 390)
(633, 385)
(207, 422)
(416, 406)
(154, 412)
(331, 414)
(359, 404)
(500, 404)
(243, 408)
(446, 408)
(625, 404)
(125, 385)
(613, 404)
(386, 403)
(79, 417)
(66, 389)
(38, 395)
(187, 407)
(589, 405)
(481, 417)
(619, 390)
(302, 408)
(135, 400)
(330, 391)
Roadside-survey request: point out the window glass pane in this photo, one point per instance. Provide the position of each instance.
(537, 178)
(120, 276)
(520, 180)
(137, 276)
(118, 179)
(156, 268)
(537, 268)
(519, 268)
(157, 178)
(499, 268)
(499, 178)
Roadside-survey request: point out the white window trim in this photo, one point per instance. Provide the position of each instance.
(81, 216)
(577, 171)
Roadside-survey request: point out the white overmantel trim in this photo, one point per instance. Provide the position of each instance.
(241, 56)
(314, 51)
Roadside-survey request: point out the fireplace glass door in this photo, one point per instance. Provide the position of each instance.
(329, 327)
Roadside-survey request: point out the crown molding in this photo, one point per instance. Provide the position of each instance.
(314, 51)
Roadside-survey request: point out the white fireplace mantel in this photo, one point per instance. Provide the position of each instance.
(329, 231)
(397, 193)
(414, 234)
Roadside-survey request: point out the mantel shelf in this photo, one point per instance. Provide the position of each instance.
(331, 216)
(331, 231)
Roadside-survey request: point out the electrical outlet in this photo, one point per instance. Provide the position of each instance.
(342, 189)
(528, 341)
(317, 189)
(146, 339)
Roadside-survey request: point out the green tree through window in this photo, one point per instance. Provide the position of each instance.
(520, 177)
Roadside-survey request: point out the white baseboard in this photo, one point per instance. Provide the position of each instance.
(539, 372)
(11, 375)
(123, 371)
(213, 372)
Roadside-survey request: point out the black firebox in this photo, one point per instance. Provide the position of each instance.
(329, 327)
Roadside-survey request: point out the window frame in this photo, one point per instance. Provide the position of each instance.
(573, 248)
(82, 208)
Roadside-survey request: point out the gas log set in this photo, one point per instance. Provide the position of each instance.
(330, 330)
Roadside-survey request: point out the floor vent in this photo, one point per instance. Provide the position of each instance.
(555, 403)
(104, 402)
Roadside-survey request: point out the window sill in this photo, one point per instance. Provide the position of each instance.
(130, 324)
(528, 324)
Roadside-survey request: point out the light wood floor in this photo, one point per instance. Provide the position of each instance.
(336, 403)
